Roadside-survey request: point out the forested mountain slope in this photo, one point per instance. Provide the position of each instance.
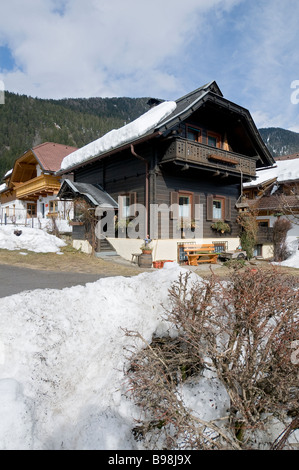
(26, 122)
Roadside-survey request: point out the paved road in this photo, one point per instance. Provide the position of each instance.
(14, 279)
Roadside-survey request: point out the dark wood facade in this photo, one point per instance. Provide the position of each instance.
(205, 151)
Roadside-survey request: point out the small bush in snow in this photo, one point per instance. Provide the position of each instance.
(280, 230)
(241, 333)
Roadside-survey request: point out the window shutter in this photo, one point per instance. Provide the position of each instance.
(210, 207)
(174, 200)
(195, 207)
(227, 209)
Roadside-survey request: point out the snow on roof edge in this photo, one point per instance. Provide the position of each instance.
(283, 170)
(117, 137)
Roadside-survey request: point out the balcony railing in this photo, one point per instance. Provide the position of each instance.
(41, 185)
(192, 152)
(264, 235)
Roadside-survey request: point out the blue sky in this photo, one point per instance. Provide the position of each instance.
(163, 49)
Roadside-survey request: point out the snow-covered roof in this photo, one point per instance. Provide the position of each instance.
(117, 137)
(160, 119)
(283, 170)
(93, 192)
(3, 187)
(8, 173)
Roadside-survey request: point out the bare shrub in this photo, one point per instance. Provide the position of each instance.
(242, 331)
(280, 230)
(86, 214)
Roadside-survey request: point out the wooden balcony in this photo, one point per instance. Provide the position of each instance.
(183, 150)
(264, 235)
(40, 186)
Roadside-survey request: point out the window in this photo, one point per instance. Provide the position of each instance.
(194, 133)
(217, 209)
(213, 139)
(31, 210)
(53, 206)
(124, 207)
(258, 250)
(263, 223)
(220, 246)
(127, 205)
(184, 206)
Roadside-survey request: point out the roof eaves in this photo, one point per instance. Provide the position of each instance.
(76, 191)
(39, 162)
(140, 140)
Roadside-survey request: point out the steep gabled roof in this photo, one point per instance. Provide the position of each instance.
(174, 112)
(50, 155)
(187, 104)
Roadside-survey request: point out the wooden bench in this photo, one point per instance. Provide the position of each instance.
(204, 253)
(135, 257)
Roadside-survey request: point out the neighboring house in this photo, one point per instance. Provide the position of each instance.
(29, 192)
(184, 162)
(275, 193)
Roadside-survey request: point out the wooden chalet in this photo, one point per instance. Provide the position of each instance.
(199, 155)
(30, 188)
(274, 193)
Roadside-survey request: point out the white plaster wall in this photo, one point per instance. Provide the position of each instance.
(162, 249)
(18, 214)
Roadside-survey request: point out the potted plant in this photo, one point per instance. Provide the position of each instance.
(146, 248)
(220, 226)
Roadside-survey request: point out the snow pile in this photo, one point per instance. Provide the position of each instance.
(31, 239)
(62, 361)
(293, 260)
(117, 137)
(283, 170)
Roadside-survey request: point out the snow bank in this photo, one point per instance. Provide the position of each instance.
(62, 361)
(31, 239)
(293, 260)
(117, 137)
(63, 357)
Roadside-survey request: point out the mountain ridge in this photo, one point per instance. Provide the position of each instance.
(26, 122)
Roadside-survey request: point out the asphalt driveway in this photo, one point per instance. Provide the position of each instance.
(14, 280)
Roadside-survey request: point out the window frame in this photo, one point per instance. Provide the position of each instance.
(29, 207)
(130, 209)
(197, 129)
(53, 207)
(184, 194)
(225, 209)
(216, 136)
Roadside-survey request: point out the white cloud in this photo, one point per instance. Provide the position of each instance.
(163, 49)
(99, 48)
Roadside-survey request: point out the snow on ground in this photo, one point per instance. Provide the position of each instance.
(31, 239)
(117, 137)
(62, 358)
(62, 361)
(293, 260)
